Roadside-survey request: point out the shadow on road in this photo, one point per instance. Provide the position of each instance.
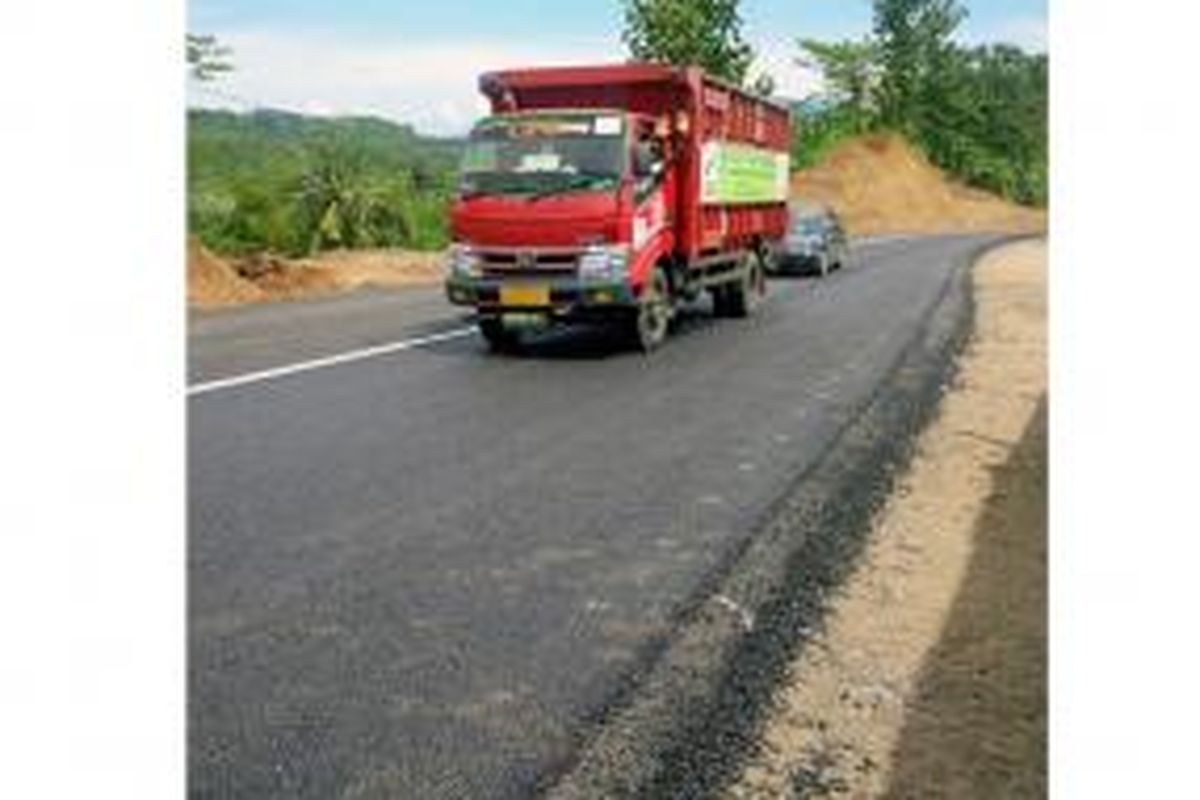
(585, 342)
(976, 726)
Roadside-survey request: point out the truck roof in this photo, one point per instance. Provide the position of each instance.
(493, 84)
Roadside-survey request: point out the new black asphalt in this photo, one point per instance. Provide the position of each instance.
(428, 574)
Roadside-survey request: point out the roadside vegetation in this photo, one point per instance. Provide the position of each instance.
(980, 113)
(297, 185)
(293, 184)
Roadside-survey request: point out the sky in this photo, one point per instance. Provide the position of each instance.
(417, 61)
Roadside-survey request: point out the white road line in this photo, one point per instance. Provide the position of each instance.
(889, 238)
(328, 361)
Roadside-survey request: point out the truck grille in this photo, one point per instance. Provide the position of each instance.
(529, 262)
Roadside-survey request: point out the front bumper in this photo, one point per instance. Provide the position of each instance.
(564, 298)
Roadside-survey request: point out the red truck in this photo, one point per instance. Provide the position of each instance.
(615, 194)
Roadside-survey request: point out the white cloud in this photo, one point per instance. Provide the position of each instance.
(778, 59)
(1028, 33)
(431, 85)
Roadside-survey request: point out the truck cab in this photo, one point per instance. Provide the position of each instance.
(553, 209)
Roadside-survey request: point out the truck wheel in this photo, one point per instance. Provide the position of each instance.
(767, 259)
(744, 296)
(499, 338)
(653, 316)
(720, 300)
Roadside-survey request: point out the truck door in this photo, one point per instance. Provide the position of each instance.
(653, 197)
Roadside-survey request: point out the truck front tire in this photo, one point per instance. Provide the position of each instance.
(652, 319)
(499, 338)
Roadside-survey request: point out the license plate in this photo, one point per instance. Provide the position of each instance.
(524, 296)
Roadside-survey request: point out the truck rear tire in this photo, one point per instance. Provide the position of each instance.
(499, 338)
(720, 300)
(768, 259)
(744, 296)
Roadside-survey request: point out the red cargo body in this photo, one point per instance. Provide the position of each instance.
(701, 243)
(713, 110)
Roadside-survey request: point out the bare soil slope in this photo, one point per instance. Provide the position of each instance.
(881, 184)
(214, 281)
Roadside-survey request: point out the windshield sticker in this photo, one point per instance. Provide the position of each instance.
(549, 127)
(537, 127)
(607, 126)
(540, 162)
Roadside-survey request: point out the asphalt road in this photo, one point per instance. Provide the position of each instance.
(424, 573)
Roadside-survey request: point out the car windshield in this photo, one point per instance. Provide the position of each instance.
(808, 225)
(541, 155)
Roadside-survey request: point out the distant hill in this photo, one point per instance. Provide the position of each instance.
(220, 139)
(288, 182)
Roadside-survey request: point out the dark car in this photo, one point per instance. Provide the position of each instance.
(815, 243)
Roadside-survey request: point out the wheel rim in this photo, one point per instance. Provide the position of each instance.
(756, 285)
(654, 313)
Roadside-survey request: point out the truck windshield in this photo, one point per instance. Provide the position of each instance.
(543, 155)
(808, 225)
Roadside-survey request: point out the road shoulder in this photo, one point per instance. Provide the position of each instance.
(693, 716)
(928, 678)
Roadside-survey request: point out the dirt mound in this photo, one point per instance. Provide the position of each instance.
(281, 278)
(340, 271)
(212, 281)
(881, 184)
(354, 268)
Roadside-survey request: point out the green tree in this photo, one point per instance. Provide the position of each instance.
(206, 59)
(273, 180)
(683, 32)
(985, 119)
(914, 39)
(979, 113)
(851, 70)
(335, 197)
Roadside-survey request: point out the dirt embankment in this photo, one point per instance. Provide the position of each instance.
(881, 184)
(929, 679)
(214, 281)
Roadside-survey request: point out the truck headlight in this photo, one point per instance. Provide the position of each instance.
(464, 262)
(604, 262)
